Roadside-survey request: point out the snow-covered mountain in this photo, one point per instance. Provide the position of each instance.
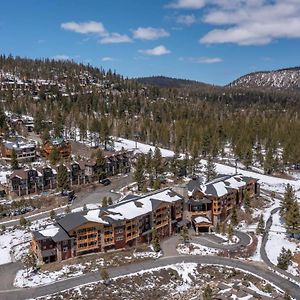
(278, 79)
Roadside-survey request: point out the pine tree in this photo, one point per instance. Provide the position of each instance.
(156, 184)
(23, 221)
(284, 259)
(100, 164)
(30, 260)
(234, 218)
(139, 173)
(210, 169)
(54, 156)
(292, 219)
(84, 208)
(288, 200)
(155, 241)
(14, 161)
(67, 210)
(184, 233)
(207, 293)
(148, 163)
(247, 202)
(62, 177)
(260, 229)
(230, 231)
(104, 274)
(52, 214)
(104, 202)
(157, 162)
(109, 201)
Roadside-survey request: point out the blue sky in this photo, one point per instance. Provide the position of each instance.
(213, 41)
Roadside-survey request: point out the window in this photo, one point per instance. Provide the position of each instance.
(65, 249)
(119, 238)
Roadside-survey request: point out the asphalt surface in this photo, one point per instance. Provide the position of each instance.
(91, 196)
(132, 268)
(208, 241)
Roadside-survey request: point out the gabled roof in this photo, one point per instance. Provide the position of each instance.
(54, 232)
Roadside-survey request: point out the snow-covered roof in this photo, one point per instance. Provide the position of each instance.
(93, 216)
(50, 231)
(202, 219)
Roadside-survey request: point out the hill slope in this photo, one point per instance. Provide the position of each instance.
(278, 79)
(169, 82)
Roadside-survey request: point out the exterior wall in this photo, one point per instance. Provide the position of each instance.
(64, 150)
(23, 154)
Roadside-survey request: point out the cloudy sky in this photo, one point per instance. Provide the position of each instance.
(213, 41)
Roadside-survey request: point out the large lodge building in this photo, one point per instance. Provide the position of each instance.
(132, 220)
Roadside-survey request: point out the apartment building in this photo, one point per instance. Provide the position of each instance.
(122, 225)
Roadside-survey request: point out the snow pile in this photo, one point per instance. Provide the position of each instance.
(148, 254)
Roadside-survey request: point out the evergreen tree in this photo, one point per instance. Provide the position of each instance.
(104, 274)
(52, 214)
(184, 233)
(210, 169)
(104, 202)
(284, 259)
(100, 164)
(260, 229)
(110, 201)
(247, 202)
(84, 208)
(207, 293)
(67, 210)
(30, 261)
(234, 218)
(156, 185)
(62, 178)
(288, 200)
(23, 221)
(230, 231)
(148, 163)
(139, 173)
(292, 219)
(54, 156)
(155, 241)
(157, 162)
(14, 161)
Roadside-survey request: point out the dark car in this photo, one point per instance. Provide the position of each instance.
(105, 181)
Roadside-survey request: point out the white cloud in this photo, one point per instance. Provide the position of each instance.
(186, 19)
(115, 38)
(85, 27)
(107, 58)
(187, 4)
(149, 33)
(202, 60)
(253, 22)
(156, 51)
(61, 57)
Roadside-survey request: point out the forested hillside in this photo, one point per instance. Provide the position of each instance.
(260, 125)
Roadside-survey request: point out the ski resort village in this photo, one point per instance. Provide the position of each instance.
(80, 217)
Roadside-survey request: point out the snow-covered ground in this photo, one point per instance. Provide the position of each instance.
(14, 243)
(120, 143)
(8, 240)
(195, 249)
(278, 239)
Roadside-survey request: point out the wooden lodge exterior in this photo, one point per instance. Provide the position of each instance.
(62, 146)
(122, 225)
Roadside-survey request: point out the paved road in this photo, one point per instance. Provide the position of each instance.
(206, 240)
(85, 197)
(132, 268)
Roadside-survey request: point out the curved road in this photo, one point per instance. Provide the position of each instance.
(244, 240)
(18, 294)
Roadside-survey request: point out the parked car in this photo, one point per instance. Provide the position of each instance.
(105, 181)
